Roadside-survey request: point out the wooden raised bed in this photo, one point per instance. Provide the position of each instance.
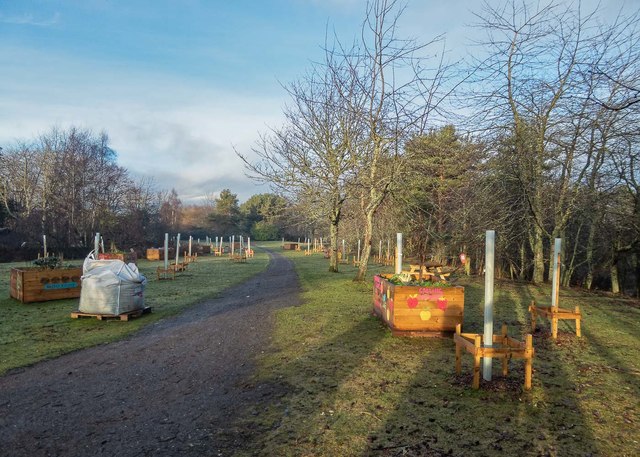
(290, 246)
(36, 285)
(126, 257)
(158, 253)
(416, 310)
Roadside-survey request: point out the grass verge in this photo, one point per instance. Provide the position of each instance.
(346, 387)
(36, 331)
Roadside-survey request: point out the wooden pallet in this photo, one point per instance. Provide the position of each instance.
(122, 316)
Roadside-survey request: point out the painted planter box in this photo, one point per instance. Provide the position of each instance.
(34, 284)
(417, 309)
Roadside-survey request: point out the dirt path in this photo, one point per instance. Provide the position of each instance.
(171, 390)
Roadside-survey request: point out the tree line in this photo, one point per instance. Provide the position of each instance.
(66, 184)
(535, 136)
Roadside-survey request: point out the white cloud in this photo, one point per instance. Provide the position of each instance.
(29, 19)
(180, 132)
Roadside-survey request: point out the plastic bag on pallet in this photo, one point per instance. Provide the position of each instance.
(111, 287)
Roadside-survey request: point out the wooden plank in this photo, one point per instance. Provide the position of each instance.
(438, 324)
(476, 362)
(469, 346)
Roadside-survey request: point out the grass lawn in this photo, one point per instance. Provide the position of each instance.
(347, 387)
(37, 331)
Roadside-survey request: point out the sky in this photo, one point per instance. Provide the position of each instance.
(180, 84)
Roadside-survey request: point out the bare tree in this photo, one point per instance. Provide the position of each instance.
(311, 157)
(399, 91)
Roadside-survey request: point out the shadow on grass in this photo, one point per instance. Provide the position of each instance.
(294, 404)
(439, 414)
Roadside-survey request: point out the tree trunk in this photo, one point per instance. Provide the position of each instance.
(615, 280)
(523, 262)
(333, 242)
(538, 255)
(364, 258)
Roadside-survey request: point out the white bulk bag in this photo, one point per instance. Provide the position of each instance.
(111, 287)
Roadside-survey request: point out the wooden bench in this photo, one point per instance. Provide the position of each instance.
(433, 273)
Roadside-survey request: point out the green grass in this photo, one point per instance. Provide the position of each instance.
(344, 386)
(37, 331)
(347, 387)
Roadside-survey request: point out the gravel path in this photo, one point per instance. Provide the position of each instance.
(172, 389)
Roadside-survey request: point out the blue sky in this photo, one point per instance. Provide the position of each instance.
(178, 83)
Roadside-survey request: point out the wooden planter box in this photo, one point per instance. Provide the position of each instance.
(158, 253)
(126, 257)
(34, 284)
(290, 246)
(202, 249)
(416, 309)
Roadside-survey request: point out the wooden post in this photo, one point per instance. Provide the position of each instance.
(458, 351)
(476, 362)
(166, 251)
(96, 244)
(505, 360)
(233, 245)
(488, 301)
(344, 252)
(249, 243)
(190, 241)
(308, 244)
(534, 315)
(44, 245)
(358, 252)
(398, 253)
(380, 251)
(578, 331)
(528, 361)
